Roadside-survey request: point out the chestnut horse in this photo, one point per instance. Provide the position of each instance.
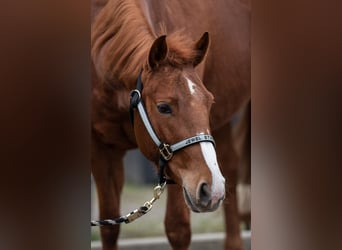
(192, 84)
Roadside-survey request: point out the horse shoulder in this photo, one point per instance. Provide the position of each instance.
(110, 120)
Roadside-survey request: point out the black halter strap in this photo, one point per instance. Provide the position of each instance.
(135, 99)
(166, 150)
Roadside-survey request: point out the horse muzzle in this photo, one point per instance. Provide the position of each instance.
(204, 200)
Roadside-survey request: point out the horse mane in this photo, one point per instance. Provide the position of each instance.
(121, 39)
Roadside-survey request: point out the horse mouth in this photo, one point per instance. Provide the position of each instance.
(197, 208)
(189, 201)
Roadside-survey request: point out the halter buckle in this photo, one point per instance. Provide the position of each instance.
(165, 151)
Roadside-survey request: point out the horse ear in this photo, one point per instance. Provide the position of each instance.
(158, 52)
(201, 47)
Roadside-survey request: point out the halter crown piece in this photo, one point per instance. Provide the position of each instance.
(166, 150)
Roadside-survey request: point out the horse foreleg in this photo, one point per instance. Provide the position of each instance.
(228, 161)
(108, 174)
(177, 219)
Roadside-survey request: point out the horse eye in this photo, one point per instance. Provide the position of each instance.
(164, 108)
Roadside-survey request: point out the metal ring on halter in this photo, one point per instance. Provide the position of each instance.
(136, 91)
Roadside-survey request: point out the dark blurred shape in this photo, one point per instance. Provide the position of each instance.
(44, 131)
(296, 125)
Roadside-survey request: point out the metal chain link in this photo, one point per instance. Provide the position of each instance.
(157, 191)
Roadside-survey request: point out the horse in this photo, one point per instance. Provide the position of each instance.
(188, 64)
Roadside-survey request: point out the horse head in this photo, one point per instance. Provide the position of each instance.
(178, 107)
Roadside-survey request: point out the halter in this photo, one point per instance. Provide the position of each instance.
(166, 153)
(166, 150)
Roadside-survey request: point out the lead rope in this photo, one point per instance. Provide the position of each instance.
(157, 191)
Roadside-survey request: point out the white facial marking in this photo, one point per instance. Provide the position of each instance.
(191, 85)
(218, 181)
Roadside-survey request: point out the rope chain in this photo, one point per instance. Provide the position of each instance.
(144, 209)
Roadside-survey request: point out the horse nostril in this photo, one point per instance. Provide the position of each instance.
(204, 194)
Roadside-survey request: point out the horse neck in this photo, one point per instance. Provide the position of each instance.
(121, 38)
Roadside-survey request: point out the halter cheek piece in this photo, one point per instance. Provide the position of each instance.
(166, 150)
